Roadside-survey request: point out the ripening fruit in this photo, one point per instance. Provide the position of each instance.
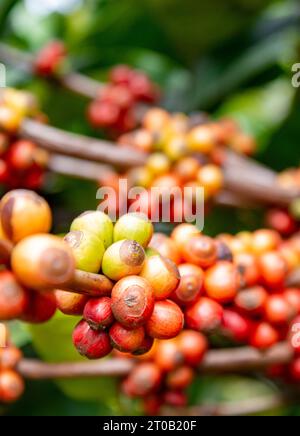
(95, 222)
(158, 164)
(70, 303)
(87, 249)
(204, 316)
(9, 357)
(13, 298)
(278, 310)
(166, 321)
(98, 314)
(123, 258)
(145, 379)
(145, 347)
(292, 296)
(191, 284)
(152, 404)
(183, 232)
(200, 250)
(222, 282)
(134, 226)
(193, 346)
(162, 274)
(235, 326)
(180, 378)
(264, 336)
(175, 398)
(24, 213)
(167, 355)
(211, 178)
(273, 269)
(252, 300)
(11, 386)
(91, 343)
(156, 119)
(248, 268)
(125, 340)
(41, 308)
(166, 247)
(43, 262)
(201, 139)
(294, 370)
(264, 240)
(132, 301)
(187, 169)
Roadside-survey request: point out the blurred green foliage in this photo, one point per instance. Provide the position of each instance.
(229, 57)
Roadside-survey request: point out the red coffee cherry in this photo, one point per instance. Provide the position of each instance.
(180, 378)
(124, 340)
(248, 268)
(9, 357)
(41, 308)
(222, 282)
(168, 355)
(273, 269)
(152, 404)
(201, 251)
(204, 316)
(281, 221)
(166, 247)
(252, 300)
(278, 311)
(235, 326)
(263, 336)
(90, 343)
(175, 398)
(294, 370)
(70, 303)
(145, 346)
(132, 301)
(145, 379)
(49, 58)
(13, 298)
(98, 313)
(193, 345)
(166, 321)
(292, 296)
(11, 386)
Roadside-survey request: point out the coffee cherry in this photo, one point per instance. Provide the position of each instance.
(273, 269)
(158, 164)
(204, 316)
(13, 298)
(40, 309)
(222, 282)
(95, 222)
(98, 314)
(263, 336)
(145, 379)
(122, 259)
(49, 58)
(180, 378)
(21, 155)
(11, 386)
(43, 262)
(152, 404)
(191, 284)
(200, 250)
(187, 169)
(294, 370)
(134, 226)
(166, 321)
(91, 343)
(251, 301)
(248, 268)
(168, 355)
(87, 249)
(193, 346)
(166, 247)
(156, 119)
(145, 347)
(124, 340)
(162, 274)
(24, 213)
(10, 119)
(211, 178)
(132, 301)
(281, 221)
(201, 139)
(223, 251)
(235, 326)
(70, 303)
(278, 311)
(9, 357)
(175, 398)
(292, 296)
(265, 240)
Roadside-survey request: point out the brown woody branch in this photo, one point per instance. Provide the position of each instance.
(242, 359)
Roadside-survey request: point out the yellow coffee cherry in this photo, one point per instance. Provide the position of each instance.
(211, 178)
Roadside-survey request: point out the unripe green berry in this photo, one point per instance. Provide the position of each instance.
(97, 223)
(134, 226)
(88, 250)
(122, 259)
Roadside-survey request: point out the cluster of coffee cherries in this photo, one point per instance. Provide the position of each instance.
(22, 163)
(137, 309)
(49, 59)
(232, 290)
(22, 213)
(184, 152)
(11, 383)
(116, 107)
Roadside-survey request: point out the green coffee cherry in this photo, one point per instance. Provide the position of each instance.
(122, 259)
(97, 223)
(88, 250)
(134, 226)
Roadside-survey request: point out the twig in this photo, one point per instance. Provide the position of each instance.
(94, 285)
(242, 359)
